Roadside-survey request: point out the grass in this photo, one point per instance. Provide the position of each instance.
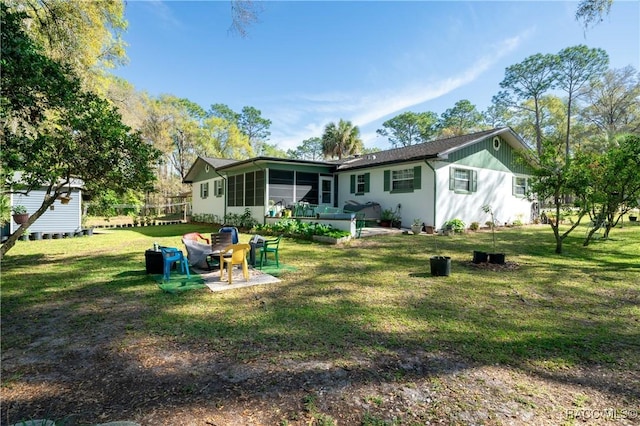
(368, 298)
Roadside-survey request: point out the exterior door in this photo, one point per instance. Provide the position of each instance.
(326, 191)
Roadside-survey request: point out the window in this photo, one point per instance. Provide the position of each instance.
(204, 190)
(236, 190)
(281, 184)
(254, 188)
(403, 180)
(327, 185)
(519, 186)
(306, 187)
(462, 180)
(496, 143)
(360, 184)
(218, 187)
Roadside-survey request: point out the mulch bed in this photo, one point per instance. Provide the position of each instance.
(506, 266)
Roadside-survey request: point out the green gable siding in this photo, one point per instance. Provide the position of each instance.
(202, 175)
(483, 155)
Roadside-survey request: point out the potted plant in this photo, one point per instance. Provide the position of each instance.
(416, 227)
(272, 208)
(440, 265)
(494, 257)
(386, 217)
(20, 214)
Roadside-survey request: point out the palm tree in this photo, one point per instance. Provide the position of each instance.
(341, 140)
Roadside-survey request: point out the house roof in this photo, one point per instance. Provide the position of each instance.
(436, 149)
(240, 163)
(201, 162)
(439, 148)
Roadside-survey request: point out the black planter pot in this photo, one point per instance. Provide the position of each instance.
(633, 218)
(36, 235)
(440, 266)
(480, 256)
(496, 258)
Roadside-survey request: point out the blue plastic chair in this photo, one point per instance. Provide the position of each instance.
(234, 233)
(170, 255)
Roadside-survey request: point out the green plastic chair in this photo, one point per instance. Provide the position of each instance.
(270, 246)
(360, 222)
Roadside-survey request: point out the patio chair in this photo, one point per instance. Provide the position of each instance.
(234, 233)
(238, 257)
(360, 222)
(219, 242)
(197, 251)
(270, 246)
(171, 255)
(195, 236)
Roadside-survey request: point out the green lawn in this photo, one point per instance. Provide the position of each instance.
(363, 300)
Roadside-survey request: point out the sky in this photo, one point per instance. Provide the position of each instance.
(305, 64)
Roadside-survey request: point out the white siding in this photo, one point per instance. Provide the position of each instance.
(211, 204)
(62, 218)
(413, 205)
(493, 188)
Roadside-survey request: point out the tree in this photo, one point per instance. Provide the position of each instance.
(552, 119)
(311, 149)
(496, 116)
(272, 150)
(576, 67)
(175, 127)
(341, 140)
(409, 128)
(249, 122)
(244, 13)
(613, 104)
(255, 127)
(614, 179)
(54, 133)
(463, 118)
(86, 35)
(555, 179)
(223, 139)
(592, 11)
(530, 79)
(223, 111)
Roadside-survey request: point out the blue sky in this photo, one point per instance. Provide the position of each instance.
(305, 64)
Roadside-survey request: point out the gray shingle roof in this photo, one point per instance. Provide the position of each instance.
(420, 151)
(219, 162)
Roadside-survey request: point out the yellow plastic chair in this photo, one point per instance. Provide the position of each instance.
(238, 257)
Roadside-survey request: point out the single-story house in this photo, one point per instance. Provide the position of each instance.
(433, 181)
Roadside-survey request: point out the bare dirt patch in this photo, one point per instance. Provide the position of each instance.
(94, 378)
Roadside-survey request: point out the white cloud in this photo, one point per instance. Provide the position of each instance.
(313, 111)
(163, 12)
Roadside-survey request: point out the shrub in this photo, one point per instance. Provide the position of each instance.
(297, 229)
(474, 226)
(456, 225)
